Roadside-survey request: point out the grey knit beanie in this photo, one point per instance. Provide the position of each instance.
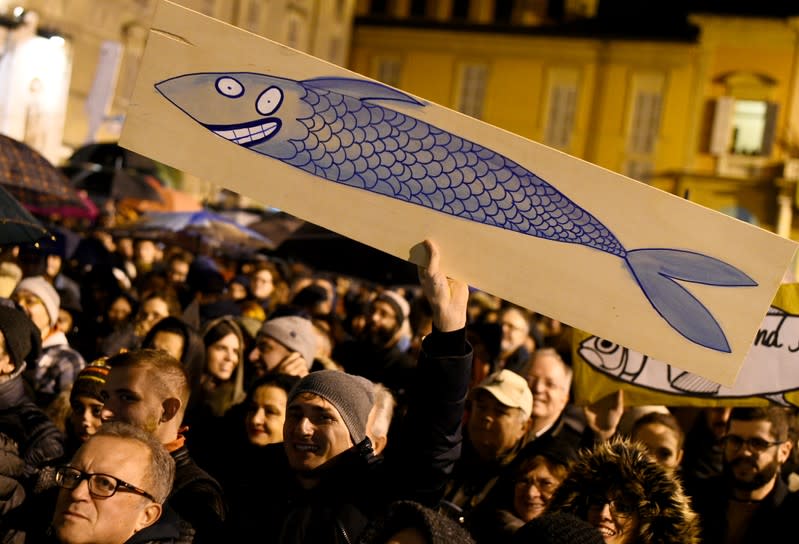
(353, 397)
(296, 333)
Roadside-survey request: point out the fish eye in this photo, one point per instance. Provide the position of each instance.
(269, 101)
(606, 346)
(229, 87)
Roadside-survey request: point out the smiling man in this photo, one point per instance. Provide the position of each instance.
(113, 488)
(324, 482)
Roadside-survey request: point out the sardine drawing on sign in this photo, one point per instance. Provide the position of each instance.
(770, 370)
(341, 130)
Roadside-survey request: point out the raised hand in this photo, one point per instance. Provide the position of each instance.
(447, 297)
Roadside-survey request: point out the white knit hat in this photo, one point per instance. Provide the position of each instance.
(46, 293)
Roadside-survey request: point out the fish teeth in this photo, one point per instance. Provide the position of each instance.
(248, 134)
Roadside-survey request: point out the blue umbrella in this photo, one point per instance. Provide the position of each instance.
(213, 229)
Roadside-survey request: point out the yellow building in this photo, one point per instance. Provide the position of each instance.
(703, 105)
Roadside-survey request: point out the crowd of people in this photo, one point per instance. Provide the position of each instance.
(149, 394)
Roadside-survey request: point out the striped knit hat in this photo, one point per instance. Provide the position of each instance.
(90, 380)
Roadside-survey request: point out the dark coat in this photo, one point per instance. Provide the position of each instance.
(198, 498)
(775, 517)
(169, 529)
(355, 486)
(38, 439)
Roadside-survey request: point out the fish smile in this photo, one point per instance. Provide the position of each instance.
(250, 133)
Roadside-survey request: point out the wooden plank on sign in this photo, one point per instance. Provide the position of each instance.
(522, 221)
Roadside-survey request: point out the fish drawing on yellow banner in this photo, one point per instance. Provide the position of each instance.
(770, 370)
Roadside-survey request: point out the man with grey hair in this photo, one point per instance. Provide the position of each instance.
(380, 418)
(325, 483)
(127, 474)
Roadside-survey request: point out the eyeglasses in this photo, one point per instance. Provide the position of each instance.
(619, 508)
(101, 486)
(755, 445)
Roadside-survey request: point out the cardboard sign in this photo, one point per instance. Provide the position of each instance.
(770, 372)
(522, 221)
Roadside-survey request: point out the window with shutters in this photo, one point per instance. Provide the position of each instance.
(645, 110)
(645, 122)
(472, 81)
(253, 21)
(388, 70)
(561, 107)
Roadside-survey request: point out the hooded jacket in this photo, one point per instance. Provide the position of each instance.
(664, 511)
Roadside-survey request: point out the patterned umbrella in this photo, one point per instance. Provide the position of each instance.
(204, 227)
(17, 225)
(35, 182)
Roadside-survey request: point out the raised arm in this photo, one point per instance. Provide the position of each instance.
(430, 437)
(448, 297)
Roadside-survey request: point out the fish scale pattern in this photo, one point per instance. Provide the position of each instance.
(367, 146)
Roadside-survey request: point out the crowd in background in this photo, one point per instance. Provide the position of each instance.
(513, 459)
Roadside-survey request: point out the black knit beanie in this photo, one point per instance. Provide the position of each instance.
(437, 528)
(23, 338)
(557, 528)
(353, 397)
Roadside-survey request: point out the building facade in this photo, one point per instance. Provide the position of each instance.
(703, 105)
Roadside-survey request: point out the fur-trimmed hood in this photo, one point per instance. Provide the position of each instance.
(664, 510)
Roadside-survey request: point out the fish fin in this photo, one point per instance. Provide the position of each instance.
(656, 270)
(778, 398)
(361, 89)
(693, 383)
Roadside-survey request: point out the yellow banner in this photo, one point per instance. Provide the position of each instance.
(770, 372)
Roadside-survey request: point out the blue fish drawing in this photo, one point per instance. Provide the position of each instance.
(338, 129)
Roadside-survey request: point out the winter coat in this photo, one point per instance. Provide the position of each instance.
(664, 511)
(198, 498)
(169, 529)
(355, 486)
(21, 420)
(775, 517)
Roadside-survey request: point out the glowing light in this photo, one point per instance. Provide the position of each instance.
(18, 11)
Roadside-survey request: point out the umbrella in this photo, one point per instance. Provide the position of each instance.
(35, 182)
(111, 156)
(167, 200)
(17, 225)
(326, 250)
(278, 226)
(206, 227)
(102, 184)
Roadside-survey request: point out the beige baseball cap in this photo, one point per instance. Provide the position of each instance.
(509, 389)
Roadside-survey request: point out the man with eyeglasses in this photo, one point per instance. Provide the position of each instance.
(750, 502)
(113, 490)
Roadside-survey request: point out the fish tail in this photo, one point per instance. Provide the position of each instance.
(656, 270)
